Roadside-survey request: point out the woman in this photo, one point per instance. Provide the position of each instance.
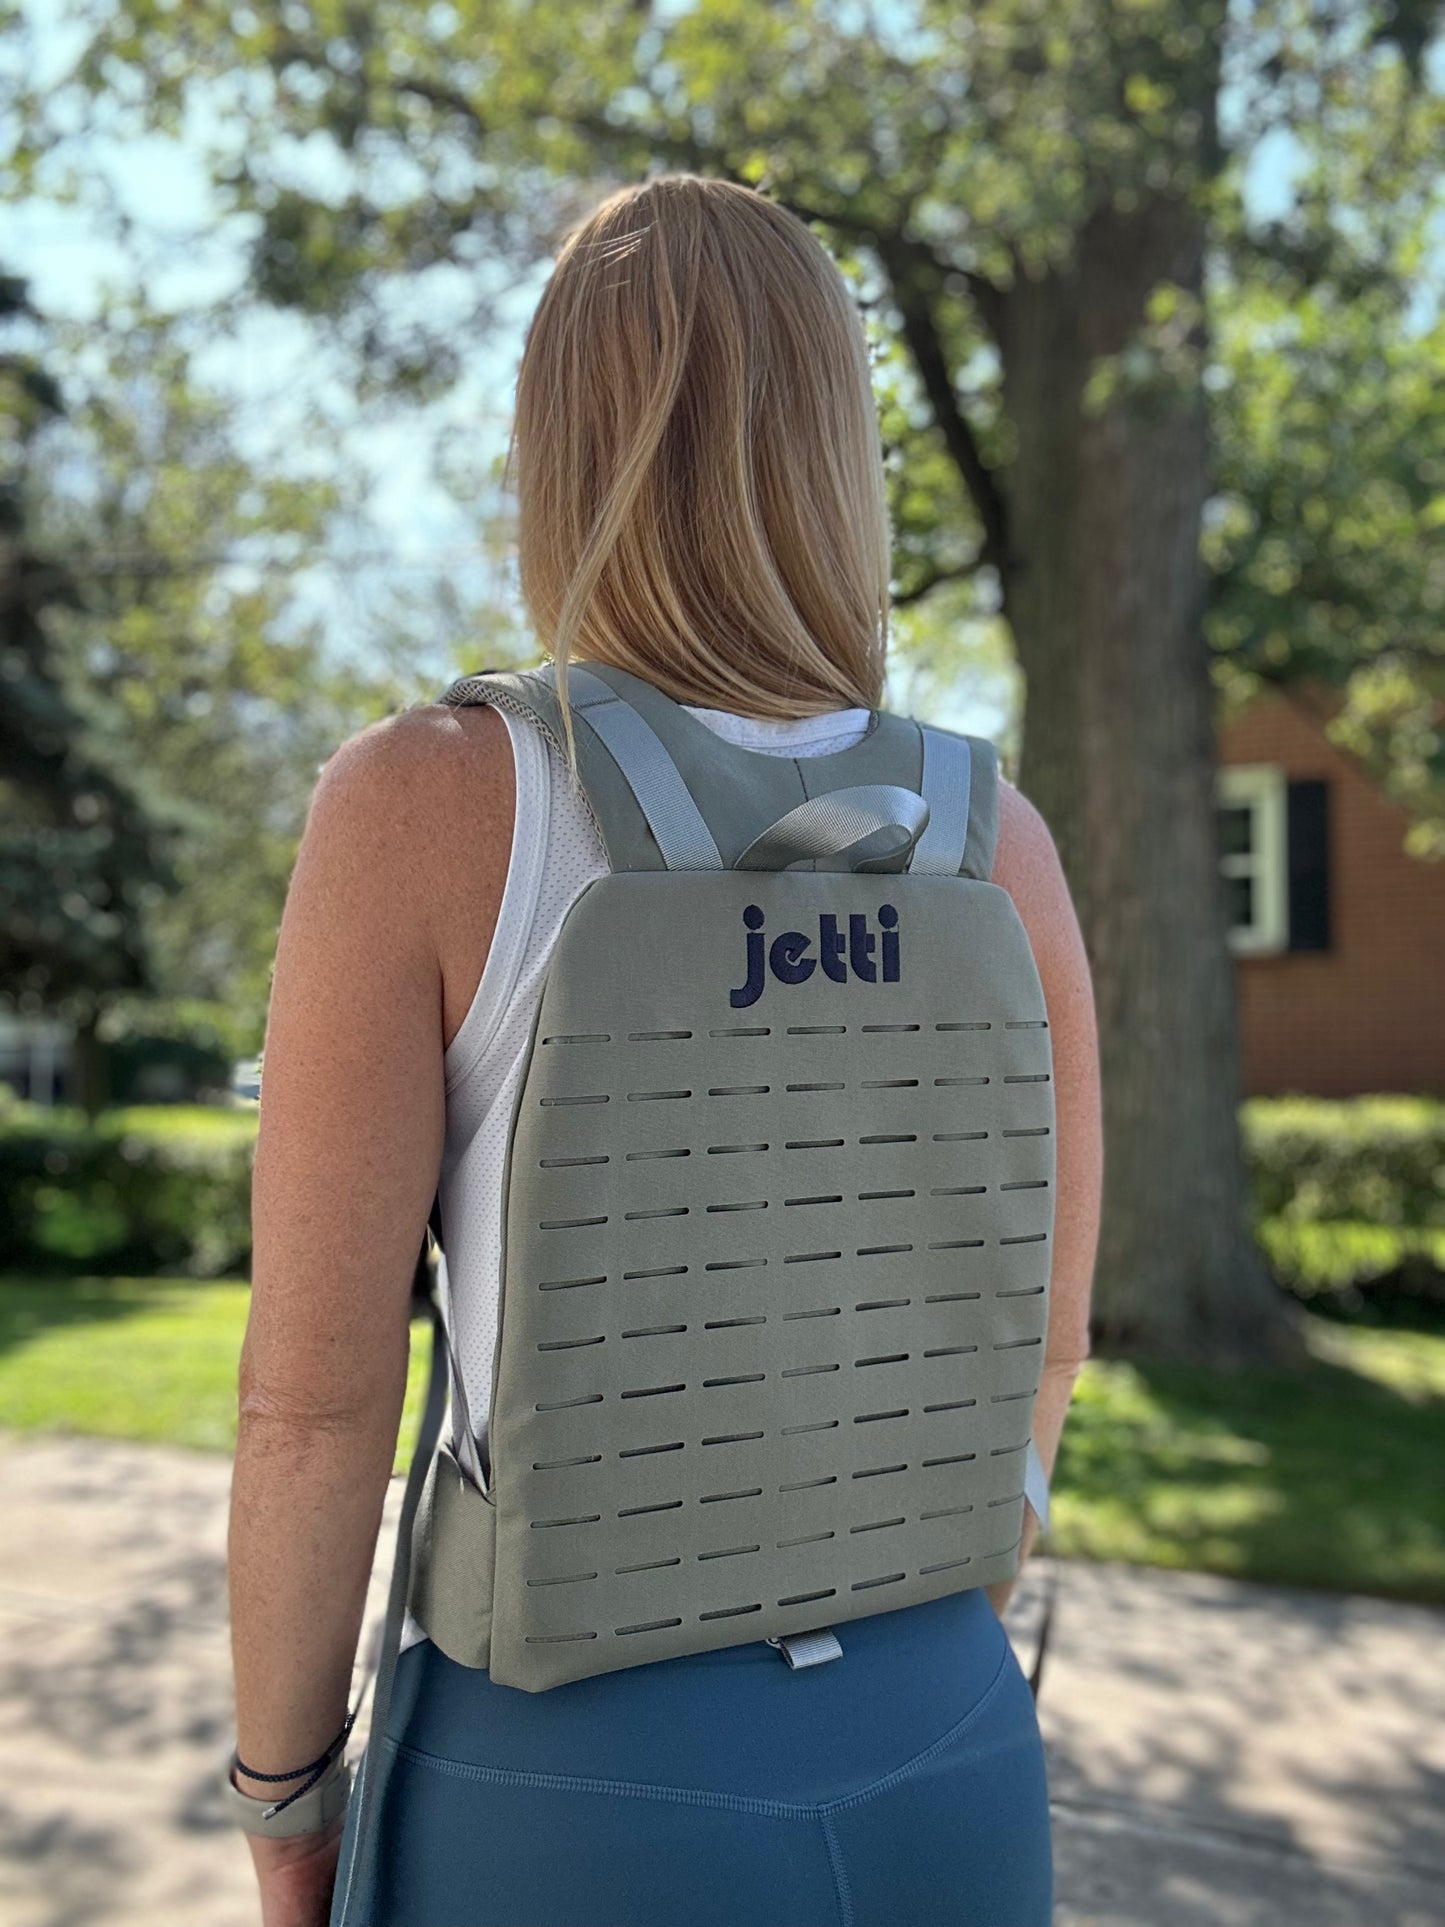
(701, 504)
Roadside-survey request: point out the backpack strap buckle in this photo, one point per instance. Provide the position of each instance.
(808, 1649)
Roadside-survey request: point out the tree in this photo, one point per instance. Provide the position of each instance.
(1040, 203)
(83, 850)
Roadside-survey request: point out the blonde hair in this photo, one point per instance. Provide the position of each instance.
(699, 468)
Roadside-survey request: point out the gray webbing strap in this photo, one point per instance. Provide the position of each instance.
(1036, 1485)
(682, 835)
(371, 1781)
(870, 822)
(946, 777)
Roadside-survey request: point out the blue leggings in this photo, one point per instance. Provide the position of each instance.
(899, 1785)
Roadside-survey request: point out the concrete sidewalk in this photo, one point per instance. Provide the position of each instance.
(1220, 1755)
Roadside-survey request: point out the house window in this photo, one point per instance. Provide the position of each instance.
(1253, 855)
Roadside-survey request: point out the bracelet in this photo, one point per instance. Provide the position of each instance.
(323, 1793)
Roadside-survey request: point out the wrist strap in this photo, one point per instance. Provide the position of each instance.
(309, 1811)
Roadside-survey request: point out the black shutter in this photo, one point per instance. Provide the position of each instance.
(1307, 844)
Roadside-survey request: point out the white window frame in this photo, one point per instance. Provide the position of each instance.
(1259, 788)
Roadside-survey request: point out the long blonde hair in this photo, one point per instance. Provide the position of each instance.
(699, 468)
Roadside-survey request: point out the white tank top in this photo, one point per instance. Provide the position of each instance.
(555, 854)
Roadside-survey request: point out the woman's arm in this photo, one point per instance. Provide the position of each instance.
(351, 1129)
(1027, 865)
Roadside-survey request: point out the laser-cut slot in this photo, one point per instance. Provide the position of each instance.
(809, 1257)
(941, 1081)
(958, 1190)
(805, 1485)
(880, 1251)
(563, 1579)
(889, 1027)
(647, 1565)
(953, 1458)
(1028, 1291)
(887, 1579)
(951, 1297)
(726, 1324)
(742, 1378)
(817, 1030)
(729, 1552)
(655, 1036)
(757, 1204)
(1018, 1344)
(828, 1311)
(1007, 1451)
(567, 1224)
(654, 1331)
(807, 1539)
(634, 1156)
(731, 1612)
(894, 1358)
(657, 1271)
(723, 1150)
(812, 1143)
(587, 1519)
(649, 1451)
(959, 1137)
(647, 1097)
(734, 1264)
(815, 1087)
(648, 1626)
(806, 1598)
(721, 1498)
(888, 1084)
(1026, 1184)
(953, 1405)
(1029, 1077)
(814, 1425)
(654, 1391)
(569, 1344)
(739, 1090)
(1012, 1499)
(553, 1465)
(555, 1103)
(950, 1351)
(947, 1512)
(562, 1164)
(1029, 1238)
(636, 1511)
(807, 1371)
(867, 1197)
(1031, 1130)
(943, 1565)
(554, 1639)
(880, 1471)
(883, 1304)
(1008, 1398)
(955, 1244)
(567, 1404)
(733, 1438)
(835, 1197)
(889, 1137)
(579, 1037)
(878, 1525)
(662, 1211)
(963, 1026)
(869, 1418)
(568, 1284)
(1027, 1023)
(743, 1030)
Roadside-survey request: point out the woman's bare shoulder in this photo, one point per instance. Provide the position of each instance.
(1027, 865)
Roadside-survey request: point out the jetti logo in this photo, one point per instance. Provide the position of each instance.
(788, 959)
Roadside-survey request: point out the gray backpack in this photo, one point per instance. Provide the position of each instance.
(778, 1213)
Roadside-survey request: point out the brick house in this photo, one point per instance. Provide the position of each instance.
(1339, 936)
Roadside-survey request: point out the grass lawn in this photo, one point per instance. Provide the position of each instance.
(1331, 1478)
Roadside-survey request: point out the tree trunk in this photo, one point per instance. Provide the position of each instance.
(1105, 598)
(89, 1068)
